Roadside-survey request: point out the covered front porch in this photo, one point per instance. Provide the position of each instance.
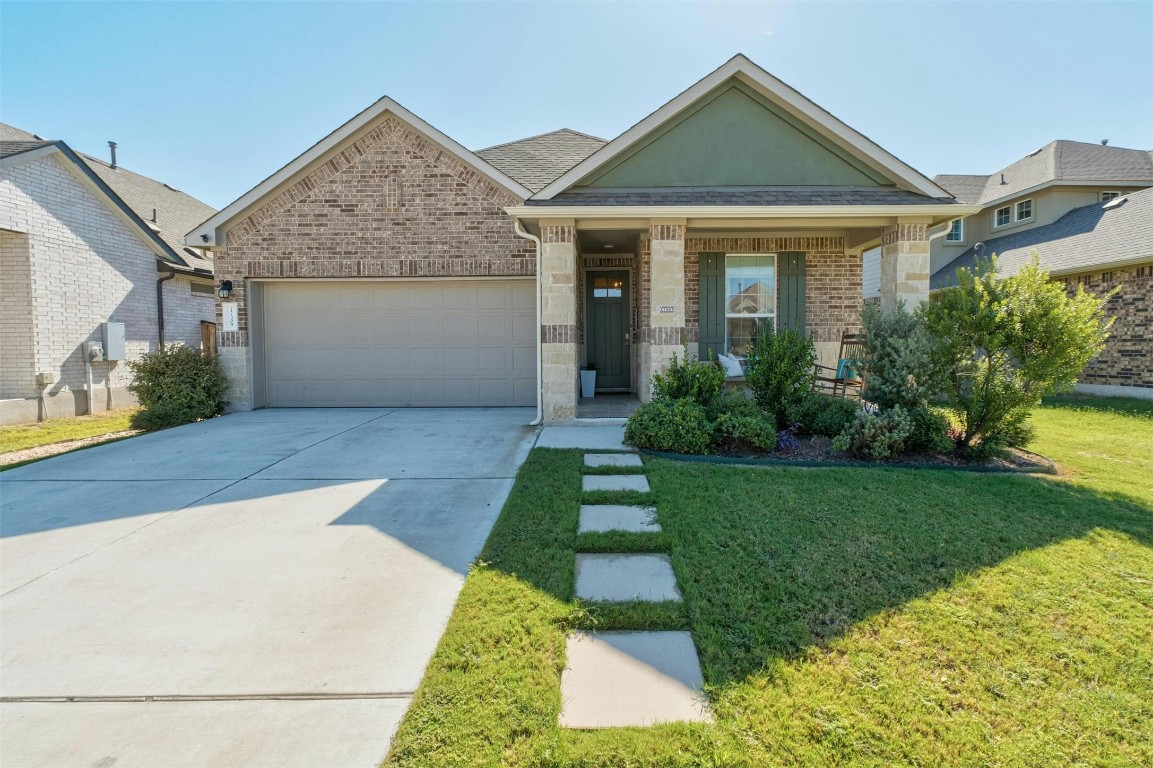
(622, 296)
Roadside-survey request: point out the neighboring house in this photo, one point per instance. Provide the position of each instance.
(390, 266)
(82, 242)
(1099, 246)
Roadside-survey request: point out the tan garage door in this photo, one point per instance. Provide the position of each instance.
(405, 343)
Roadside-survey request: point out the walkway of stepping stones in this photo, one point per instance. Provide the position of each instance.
(626, 678)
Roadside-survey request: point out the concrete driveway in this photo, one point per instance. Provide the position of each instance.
(263, 589)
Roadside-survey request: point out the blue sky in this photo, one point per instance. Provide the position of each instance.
(213, 97)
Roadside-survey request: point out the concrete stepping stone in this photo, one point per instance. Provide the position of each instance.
(586, 437)
(615, 517)
(612, 460)
(621, 679)
(617, 578)
(615, 483)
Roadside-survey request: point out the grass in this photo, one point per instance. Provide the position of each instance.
(62, 430)
(848, 617)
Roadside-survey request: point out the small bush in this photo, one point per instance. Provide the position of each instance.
(930, 433)
(899, 364)
(876, 435)
(176, 385)
(746, 434)
(676, 426)
(688, 379)
(825, 415)
(732, 402)
(779, 371)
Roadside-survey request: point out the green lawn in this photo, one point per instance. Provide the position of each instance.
(848, 617)
(61, 430)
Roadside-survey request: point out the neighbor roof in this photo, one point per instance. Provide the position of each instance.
(1088, 238)
(136, 195)
(538, 160)
(1057, 161)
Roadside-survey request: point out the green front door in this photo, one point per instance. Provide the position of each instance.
(607, 328)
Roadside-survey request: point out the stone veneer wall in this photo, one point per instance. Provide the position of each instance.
(391, 204)
(1127, 360)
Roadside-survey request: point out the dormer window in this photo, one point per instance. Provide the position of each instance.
(1003, 216)
(1024, 210)
(956, 232)
(1107, 196)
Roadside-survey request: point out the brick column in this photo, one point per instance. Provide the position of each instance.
(662, 331)
(558, 320)
(905, 264)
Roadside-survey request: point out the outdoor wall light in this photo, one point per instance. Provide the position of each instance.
(225, 289)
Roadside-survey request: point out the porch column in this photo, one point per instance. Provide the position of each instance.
(664, 312)
(905, 263)
(558, 319)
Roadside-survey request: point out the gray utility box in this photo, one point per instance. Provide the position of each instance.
(113, 336)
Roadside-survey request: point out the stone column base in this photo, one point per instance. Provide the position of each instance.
(559, 381)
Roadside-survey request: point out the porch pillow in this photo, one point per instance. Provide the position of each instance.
(846, 370)
(732, 367)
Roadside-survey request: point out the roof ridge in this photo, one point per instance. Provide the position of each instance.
(541, 136)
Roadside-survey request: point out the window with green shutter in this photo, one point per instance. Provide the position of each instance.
(719, 320)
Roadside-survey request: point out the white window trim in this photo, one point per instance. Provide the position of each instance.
(1017, 208)
(745, 315)
(1115, 194)
(961, 233)
(996, 215)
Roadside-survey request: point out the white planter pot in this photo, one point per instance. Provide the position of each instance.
(588, 383)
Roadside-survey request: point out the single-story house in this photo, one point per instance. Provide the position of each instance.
(388, 265)
(1099, 246)
(85, 242)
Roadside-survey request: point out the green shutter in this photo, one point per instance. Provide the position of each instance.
(712, 305)
(791, 273)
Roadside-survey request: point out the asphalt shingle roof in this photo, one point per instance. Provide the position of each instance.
(1055, 162)
(1091, 237)
(740, 196)
(176, 212)
(539, 160)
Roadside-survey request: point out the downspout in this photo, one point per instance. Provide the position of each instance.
(522, 232)
(160, 307)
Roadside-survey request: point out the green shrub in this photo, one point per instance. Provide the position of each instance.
(825, 415)
(899, 366)
(176, 385)
(930, 433)
(732, 402)
(779, 371)
(676, 426)
(746, 434)
(688, 379)
(876, 435)
(1008, 342)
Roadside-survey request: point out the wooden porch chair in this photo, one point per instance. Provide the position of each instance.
(844, 379)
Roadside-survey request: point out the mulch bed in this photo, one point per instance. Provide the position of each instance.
(819, 452)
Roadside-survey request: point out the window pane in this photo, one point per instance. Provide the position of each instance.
(1024, 209)
(740, 332)
(955, 232)
(1002, 216)
(750, 283)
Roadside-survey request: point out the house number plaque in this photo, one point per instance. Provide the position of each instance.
(666, 310)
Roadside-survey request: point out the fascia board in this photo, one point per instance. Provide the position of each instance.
(319, 150)
(777, 91)
(738, 211)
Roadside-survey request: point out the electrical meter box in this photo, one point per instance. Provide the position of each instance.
(113, 337)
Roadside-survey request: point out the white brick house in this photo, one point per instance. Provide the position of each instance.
(81, 243)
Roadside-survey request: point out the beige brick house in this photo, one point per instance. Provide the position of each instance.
(390, 266)
(84, 242)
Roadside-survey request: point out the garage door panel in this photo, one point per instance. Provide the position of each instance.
(380, 343)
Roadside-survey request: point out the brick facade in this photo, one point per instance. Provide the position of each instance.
(69, 264)
(832, 280)
(1127, 360)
